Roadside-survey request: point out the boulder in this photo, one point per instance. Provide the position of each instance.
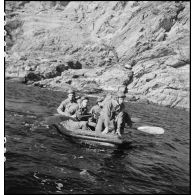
(176, 61)
(74, 64)
(32, 76)
(132, 98)
(51, 74)
(161, 37)
(61, 67)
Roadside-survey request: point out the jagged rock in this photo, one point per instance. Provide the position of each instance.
(112, 78)
(61, 68)
(176, 61)
(150, 77)
(68, 81)
(23, 58)
(74, 64)
(143, 101)
(51, 74)
(123, 89)
(166, 23)
(93, 73)
(97, 39)
(92, 88)
(38, 84)
(132, 98)
(161, 37)
(128, 66)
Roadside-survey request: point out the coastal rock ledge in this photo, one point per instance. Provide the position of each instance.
(102, 46)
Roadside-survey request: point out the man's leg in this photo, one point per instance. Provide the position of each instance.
(127, 119)
(100, 125)
(120, 122)
(92, 124)
(84, 125)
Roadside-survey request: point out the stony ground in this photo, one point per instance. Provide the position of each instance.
(86, 45)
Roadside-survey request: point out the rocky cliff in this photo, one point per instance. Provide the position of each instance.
(89, 46)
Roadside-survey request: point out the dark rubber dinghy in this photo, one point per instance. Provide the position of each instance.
(91, 137)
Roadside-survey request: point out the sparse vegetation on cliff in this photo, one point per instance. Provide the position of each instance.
(55, 40)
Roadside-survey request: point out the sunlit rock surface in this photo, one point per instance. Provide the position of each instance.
(86, 45)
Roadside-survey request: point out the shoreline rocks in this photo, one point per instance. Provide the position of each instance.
(142, 48)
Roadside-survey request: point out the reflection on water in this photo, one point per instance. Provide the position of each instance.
(40, 160)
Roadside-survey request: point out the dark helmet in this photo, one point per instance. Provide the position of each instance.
(84, 98)
(71, 92)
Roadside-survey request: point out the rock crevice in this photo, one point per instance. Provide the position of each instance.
(86, 45)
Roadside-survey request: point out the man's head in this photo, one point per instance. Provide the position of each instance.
(84, 102)
(71, 95)
(100, 101)
(120, 97)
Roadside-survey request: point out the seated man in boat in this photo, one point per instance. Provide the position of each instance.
(113, 116)
(82, 113)
(69, 105)
(95, 111)
(81, 116)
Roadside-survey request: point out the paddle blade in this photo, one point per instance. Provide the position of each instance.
(151, 129)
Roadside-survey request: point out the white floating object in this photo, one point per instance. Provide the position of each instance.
(151, 129)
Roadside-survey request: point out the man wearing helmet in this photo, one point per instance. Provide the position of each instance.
(113, 116)
(95, 111)
(80, 115)
(69, 106)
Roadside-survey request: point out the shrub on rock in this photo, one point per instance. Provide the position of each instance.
(32, 76)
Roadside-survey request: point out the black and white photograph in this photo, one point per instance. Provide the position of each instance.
(97, 97)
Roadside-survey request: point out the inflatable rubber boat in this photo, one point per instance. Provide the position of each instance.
(91, 137)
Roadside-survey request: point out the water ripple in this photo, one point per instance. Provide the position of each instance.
(40, 160)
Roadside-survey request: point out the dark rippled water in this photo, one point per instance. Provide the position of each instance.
(40, 160)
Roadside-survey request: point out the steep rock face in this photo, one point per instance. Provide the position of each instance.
(85, 45)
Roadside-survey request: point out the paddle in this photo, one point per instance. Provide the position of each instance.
(147, 129)
(151, 129)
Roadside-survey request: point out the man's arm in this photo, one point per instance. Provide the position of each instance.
(73, 110)
(82, 114)
(78, 114)
(92, 110)
(62, 107)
